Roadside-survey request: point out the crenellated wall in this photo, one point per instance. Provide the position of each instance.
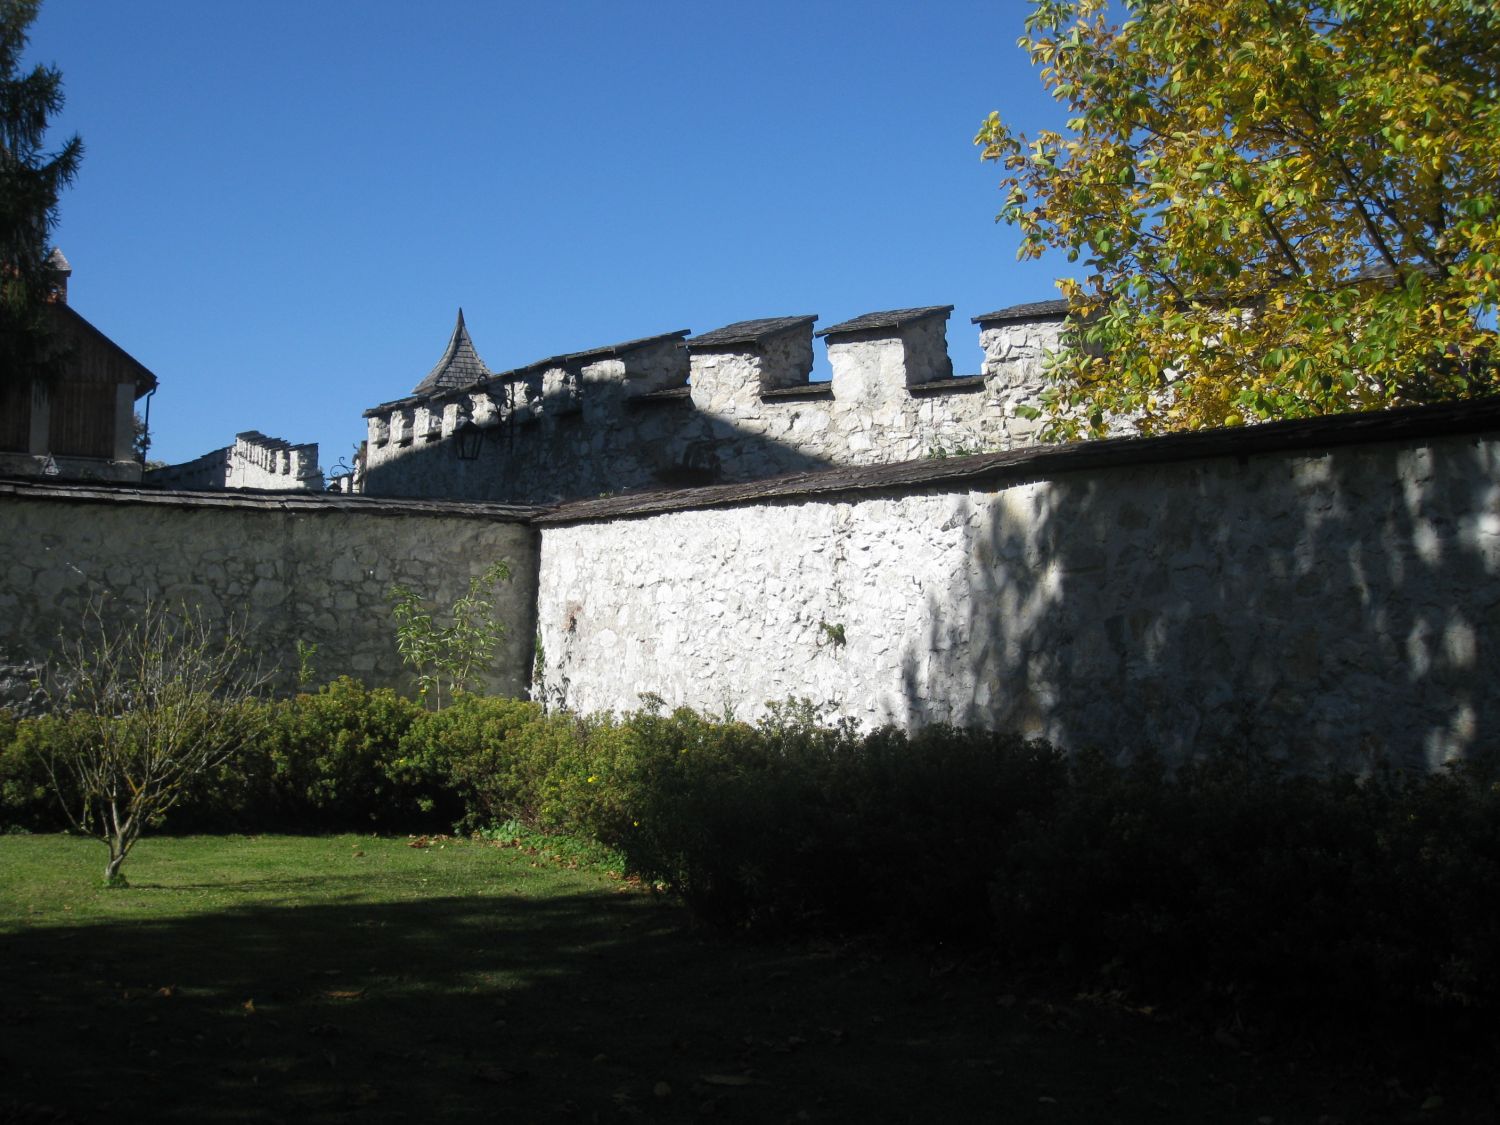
(1327, 589)
(730, 405)
(253, 461)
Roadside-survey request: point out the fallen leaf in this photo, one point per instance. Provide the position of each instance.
(1432, 1103)
(661, 1090)
(249, 1007)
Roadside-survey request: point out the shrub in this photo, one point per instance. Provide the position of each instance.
(333, 758)
(793, 823)
(1226, 881)
(1234, 878)
(475, 760)
(27, 800)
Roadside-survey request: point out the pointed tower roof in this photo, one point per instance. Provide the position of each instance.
(459, 367)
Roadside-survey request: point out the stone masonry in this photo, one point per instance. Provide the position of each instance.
(253, 461)
(1325, 589)
(312, 568)
(734, 404)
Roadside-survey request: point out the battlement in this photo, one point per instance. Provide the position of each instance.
(253, 461)
(734, 403)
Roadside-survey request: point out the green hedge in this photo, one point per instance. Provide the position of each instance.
(1229, 878)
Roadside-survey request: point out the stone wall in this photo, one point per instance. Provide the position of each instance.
(314, 568)
(734, 404)
(1331, 589)
(253, 461)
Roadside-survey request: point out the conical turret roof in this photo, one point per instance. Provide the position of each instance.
(459, 367)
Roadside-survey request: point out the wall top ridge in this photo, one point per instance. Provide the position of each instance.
(604, 351)
(1036, 462)
(1032, 310)
(749, 331)
(752, 333)
(255, 437)
(394, 404)
(23, 488)
(565, 359)
(893, 318)
(611, 350)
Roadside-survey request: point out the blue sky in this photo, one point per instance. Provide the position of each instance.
(283, 204)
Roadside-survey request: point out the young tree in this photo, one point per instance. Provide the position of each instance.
(148, 706)
(448, 657)
(30, 180)
(1286, 208)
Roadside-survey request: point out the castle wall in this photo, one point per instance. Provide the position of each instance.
(675, 415)
(312, 568)
(1329, 589)
(253, 461)
(1330, 600)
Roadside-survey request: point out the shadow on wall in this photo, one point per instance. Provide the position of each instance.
(574, 455)
(1340, 608)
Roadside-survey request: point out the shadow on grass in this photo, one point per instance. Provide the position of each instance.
(320, 883)
(589, 1006)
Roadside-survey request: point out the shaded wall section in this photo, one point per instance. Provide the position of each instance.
(316, 568)
(1330, 589)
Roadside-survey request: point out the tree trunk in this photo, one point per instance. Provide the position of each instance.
(112, 876)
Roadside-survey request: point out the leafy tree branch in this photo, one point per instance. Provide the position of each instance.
(1284, 208)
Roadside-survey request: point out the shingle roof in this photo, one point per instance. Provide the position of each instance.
(567, 358)
(892, 318)
(459, 367)
(748, 331)
(1033, 310)
(622, 349)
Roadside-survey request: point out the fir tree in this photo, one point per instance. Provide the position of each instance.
(30, 180)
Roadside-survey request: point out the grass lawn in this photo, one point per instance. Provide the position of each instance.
(330, 979)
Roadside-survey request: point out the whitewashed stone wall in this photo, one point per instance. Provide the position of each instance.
(253, 461)
(316, 569)
(1337, 605)
(569, 431)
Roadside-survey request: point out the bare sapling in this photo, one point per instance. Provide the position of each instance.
(152, 704)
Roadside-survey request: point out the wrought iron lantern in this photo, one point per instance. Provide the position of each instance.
(467, 439)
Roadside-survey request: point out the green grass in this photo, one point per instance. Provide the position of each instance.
(332, 979)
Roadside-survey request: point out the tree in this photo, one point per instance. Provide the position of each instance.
(30, 181)
(147, 707)
(449, 656)
(1286, 208)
